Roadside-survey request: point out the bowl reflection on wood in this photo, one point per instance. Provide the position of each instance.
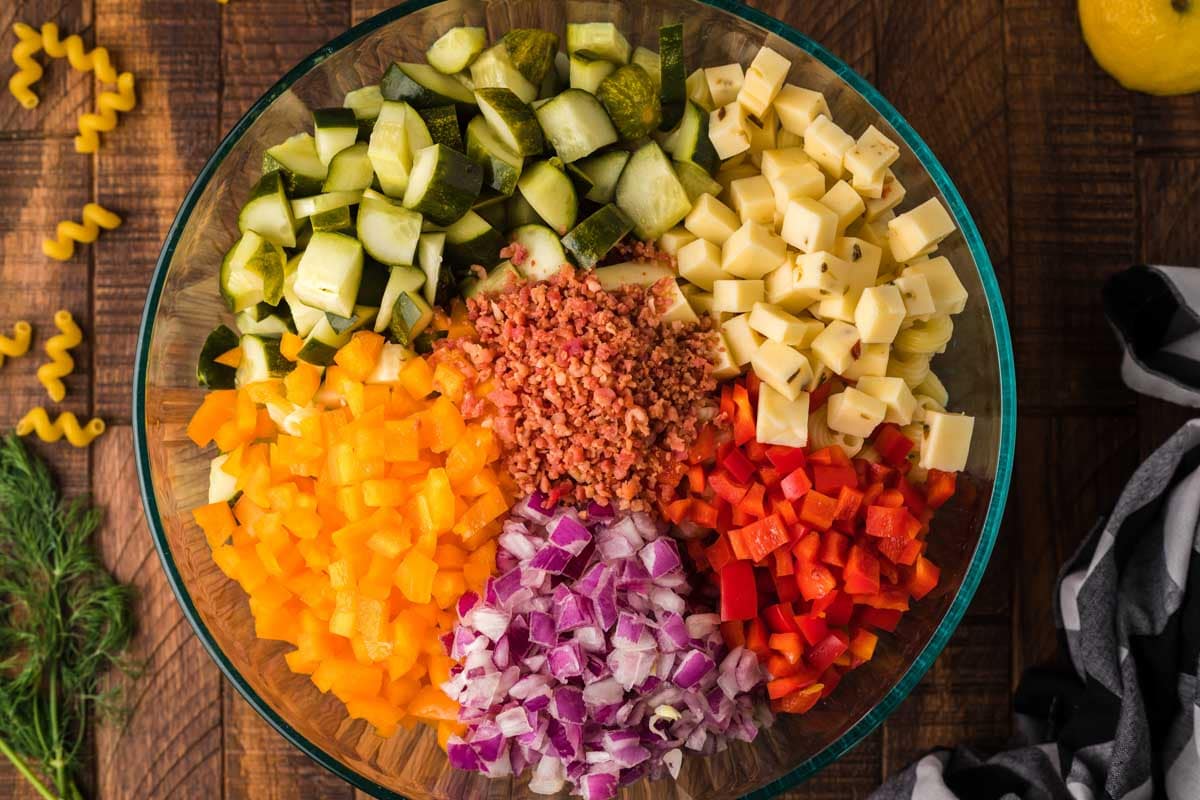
(184, 303)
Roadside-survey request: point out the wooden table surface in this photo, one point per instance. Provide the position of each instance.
(1070, 178)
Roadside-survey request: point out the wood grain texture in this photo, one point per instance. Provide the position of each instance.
(845, 28)
(1168, 126)
(853, 776)
(64, 93)
(169, 745)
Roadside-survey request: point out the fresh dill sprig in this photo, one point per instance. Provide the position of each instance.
(64, 621)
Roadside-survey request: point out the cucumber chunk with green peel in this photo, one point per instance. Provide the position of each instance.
(335, 219)
(576, 124)
(521, 213)
(350, 170)
(544, 254)
(268, 212)
(388, 231)
(650, 194)
(261, 360)
(297, 161)
(672, 74)
(493, 208)
(556, 77)
(696, 181)
(442, 124)
(531, 51)
(590, 240)
(502, 276)
(698, 91)
(689, 141)
(649, 61)
(501, 164)
(494, 69)
(329, 273)
(390, 151)
(273, 324)
(548, 189)
(443, 184)
(373, 286)
(579, 179)
(360, 318)
(632, 102)
(304, 207)
(334, 129)
(210, 374)
(365, 102)
(430, 249)
(322, 342)
(604, 170)
(422, 86)
(586, 74)
(401, 279)
(456, 49)
(252, 272)
(304, 316)
(410, 316)
(598, 40)
(471, 240)
(511, 119)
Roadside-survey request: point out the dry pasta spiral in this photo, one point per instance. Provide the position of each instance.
(29, 71)
(821, 436)
(80, 58)
(38, 421)
(925, 336)
(94, 217)
(933, 388)
(105, 118)
(61, 364)
(18, 345)
(911, 367)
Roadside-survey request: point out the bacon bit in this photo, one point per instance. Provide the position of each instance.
(636, 250)
(478, 270)
(515, 252)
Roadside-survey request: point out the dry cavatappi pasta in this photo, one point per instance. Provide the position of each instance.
(61, 364)
(92, 219)
(38, 421)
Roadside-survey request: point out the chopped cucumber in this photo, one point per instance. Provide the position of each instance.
(388, 231)
(456, 49)
(210, 374)
(494, 209)
(579, 179)
(698, 91)
(649, 61)
(554, 81)
(410, 315)
(442, 123)
(222, 487)
(261, 360)
(590, 240)
(429, 256)
(604, 171)
(531, 51)
(650, 194)
(304, 317)
(304, 207)
(401, 279)
(672, 74)
(493, 69)
(361, 317)
(296, 158)
(576, 124)
(373, 285)
(689, 140)
(365, 103)
(443, 185)
(334, 129)
(641, 273)
(329, 272)
(268, 213)
(422, 86)
(544, 254)
(588, 73)
(548, 189)
(505, 274)
(323, 342)
(696, 181)
(350, 170)
(598, 40)
(270, 324)
(501, 164)
(334, 219)
(632, 102)
(252, 272)
(521, 213)
(390, 151)
(512, 120)
(471, 240)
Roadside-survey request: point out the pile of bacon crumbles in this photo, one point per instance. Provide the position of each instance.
(597, 399)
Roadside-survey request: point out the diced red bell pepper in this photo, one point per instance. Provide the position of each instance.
(835, 548)
(890, 498)
(733, 631)
(726, 407)
(761, 538)
(739, 595)
(800, 701)
(756, 451)
(719, 553)
(726, 489)
(754, 503)
(740, 517)
(940, 487)
(756, 638)
(830, 679)
(743, 415)
(849, 501)
(787, 645)
(890, 522)
(820, 606)
(861, 575)
(822, 654)
(780, 618)
(796, 484)
(882, 473)
(892, 445)
(781, 687)
(752, 382)
(840, 610)
(704, 448)
(884, 619)
(924, 577)
(677, 510)
(813, 629)
(786, 459)
(862, 644)
(703, 513)
(696, 479)
(814, 580)
(785, 587)
(779, 667)
(819, 395)
(871, 494)
(785, 564)
(738, 466)
(769, 476)
(893, 599)
(830, 479)
(901, 550)
(913, 499)
(807, 547)
(782, 506)
(818, 510)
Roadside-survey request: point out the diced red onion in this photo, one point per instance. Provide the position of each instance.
(692, 667)
(667, 600)
(552, 559)
(674, 633)
(569, 534)
(566, 705)
(596, 511)
(660, 557)
(566, 661)
(491, 622)
(548, 776)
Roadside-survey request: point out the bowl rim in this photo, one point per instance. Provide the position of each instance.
(1000, 329)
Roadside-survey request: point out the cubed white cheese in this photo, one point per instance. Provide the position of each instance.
(679, 309)
(762, 133)
(798, 107)
(826, 143)
(842, 200)
(871, 155)
(878, 315)
(702, 304)
(891, 194)
(736, 296)
(674, 239)
(869, 189)
(780, 326)
(726, 131)
(834, 346)
(700, 263)
(809, 226)
(864, 259)
(780, 420)
(753, 199)
(949, 295)
(872, 360)
(730, 172)
(740, 338)
(763, 80)
(875, 234)
(917, 231)
(776, 162)
(782, 290)
(783, 368)
(711, 219)
(752, 251)
(893, 393)
(855, 413)
(914, 291)
(806, 180)
(947, 441)
(724, 83)
(822, 275)
(697, 90)
(723, 364)
(786, 139)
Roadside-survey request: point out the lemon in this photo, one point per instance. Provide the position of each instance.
(1148, 45)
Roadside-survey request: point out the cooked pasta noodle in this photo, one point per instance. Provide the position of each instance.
(18, 345)
(61, 364)
(820, 435)
(105, 118)
(925, 336)
(38, 421)
(94, 217)
(848, 442)
(29, 71)
(72, 47)
(926, 403)
(911, 367)
(933, 388)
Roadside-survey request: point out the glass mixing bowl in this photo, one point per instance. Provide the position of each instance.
(183, 305)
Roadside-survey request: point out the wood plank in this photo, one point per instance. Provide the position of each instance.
(846, 28)
(64, 93)
(147, 164)
(1072, 208)
(361, 10)
(1168, 125)
(854, 775)
(169, 746)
